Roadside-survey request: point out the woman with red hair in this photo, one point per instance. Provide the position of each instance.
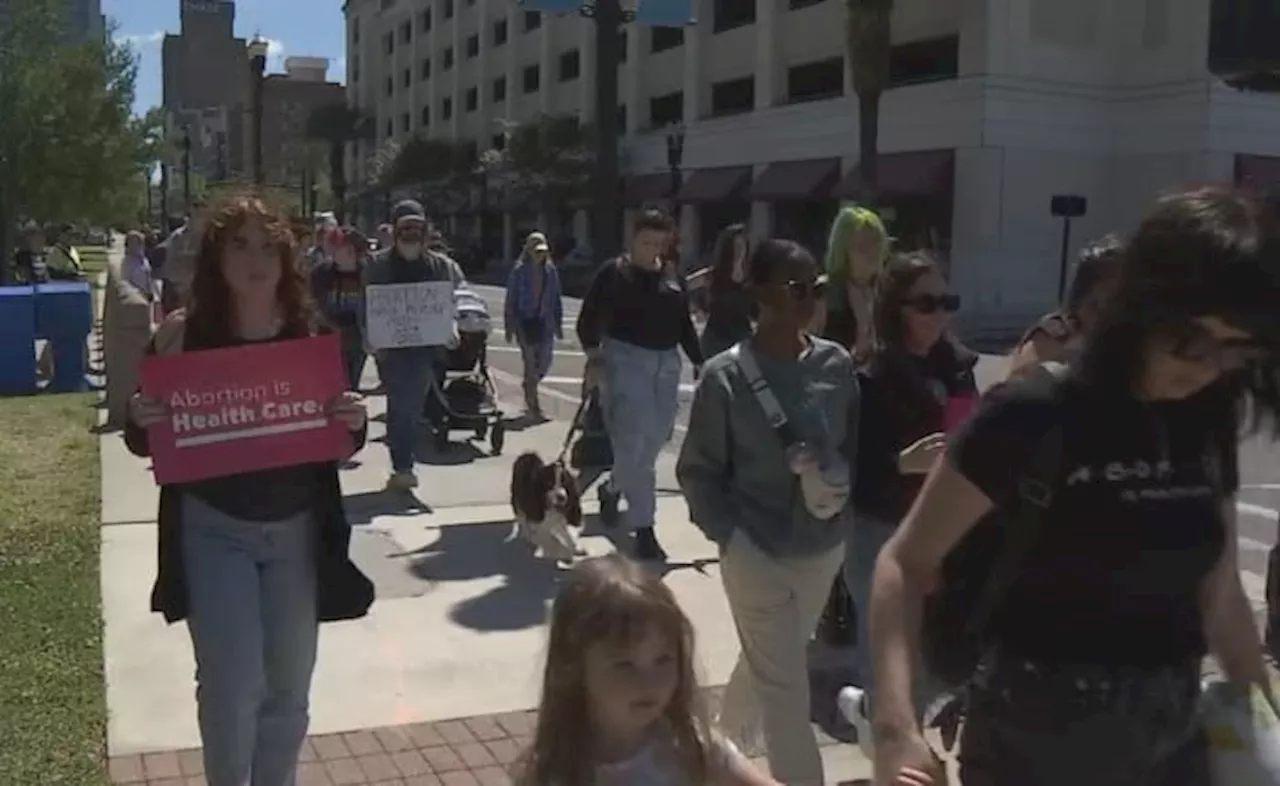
(253, 561)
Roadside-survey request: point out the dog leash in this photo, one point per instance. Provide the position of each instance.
(574, 426)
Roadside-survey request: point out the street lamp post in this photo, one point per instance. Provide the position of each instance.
(675, 157)
(258, 67)
(608, 17)
(186, 169)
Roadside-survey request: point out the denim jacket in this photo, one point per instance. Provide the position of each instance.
(520, 301)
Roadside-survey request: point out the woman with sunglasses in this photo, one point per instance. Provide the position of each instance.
(778, 552)
(729, 305)
(1090, 665)
(916, 377)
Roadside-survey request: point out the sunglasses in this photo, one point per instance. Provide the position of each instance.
(806, 290)
(1194, 343)
(932, 304)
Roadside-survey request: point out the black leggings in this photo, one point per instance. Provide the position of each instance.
(1042, 726)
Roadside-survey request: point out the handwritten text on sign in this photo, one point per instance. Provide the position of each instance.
(245, 408)
(409, 315)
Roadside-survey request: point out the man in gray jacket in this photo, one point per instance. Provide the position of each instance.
(407, 372)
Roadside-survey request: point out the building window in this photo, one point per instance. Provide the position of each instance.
(622, 46)
(446, 108)
(500, 32)
(816, 81)
(448, 9)
(355, 31)
(532, 79)
(448, 58)
(426, 115)
(424, 21)
(796, 5)
(500, 89)
(390, 86)
(532, 20)
(498, 142)
(406, 32)
(404, 122)
(622, 117)
(426, 68)
(406, 77)
(728, 14)
(570, 65)
(389, 43)
(391, 128)
(473, 46)
(733, 96)
(471, 99)
(930, 60)
(355, 73)
(664, 38)
(667, 110)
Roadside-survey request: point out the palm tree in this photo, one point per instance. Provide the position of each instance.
(869, 29)
(337, 125)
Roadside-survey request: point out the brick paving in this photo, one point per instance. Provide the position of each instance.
(476, 751)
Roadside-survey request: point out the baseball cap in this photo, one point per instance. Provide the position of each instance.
(537, 242)
(408, 210)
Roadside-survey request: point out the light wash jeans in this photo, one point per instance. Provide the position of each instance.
(862, 547)
(251, 588)
(640, 402)
(536, 359)
(407, 375)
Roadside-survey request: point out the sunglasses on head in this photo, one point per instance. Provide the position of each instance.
(932, 304)
(1195, 343)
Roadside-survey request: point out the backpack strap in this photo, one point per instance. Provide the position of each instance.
(1037, 487)
(773, 412)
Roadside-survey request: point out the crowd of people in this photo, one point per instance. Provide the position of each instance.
(1052, 558)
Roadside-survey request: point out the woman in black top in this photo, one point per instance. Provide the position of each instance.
(252, 561)
(917, 380)
(337, 284)
(1090, 671)
(729, 305)
(635, 314)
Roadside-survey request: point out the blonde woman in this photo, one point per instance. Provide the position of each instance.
(856, 251)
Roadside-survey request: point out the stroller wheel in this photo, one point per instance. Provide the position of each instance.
(497, 437)
(608, 506)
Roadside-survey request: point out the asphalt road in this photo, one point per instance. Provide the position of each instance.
(1258, 502)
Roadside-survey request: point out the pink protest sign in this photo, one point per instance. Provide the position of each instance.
(958, 410)
(245, 408)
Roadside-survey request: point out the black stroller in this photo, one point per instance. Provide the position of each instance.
(462, 395)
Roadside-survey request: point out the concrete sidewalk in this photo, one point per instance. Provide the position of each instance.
(457, 632)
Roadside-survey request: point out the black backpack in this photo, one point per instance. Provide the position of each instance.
(976, 574)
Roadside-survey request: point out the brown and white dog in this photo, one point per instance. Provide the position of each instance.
(546, 503)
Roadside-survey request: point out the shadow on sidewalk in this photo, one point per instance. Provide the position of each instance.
(467, 552)
(365, 506)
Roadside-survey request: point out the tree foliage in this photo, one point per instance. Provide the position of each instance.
(431, 161)
(336, 126)
(552, 154)
(69, 148)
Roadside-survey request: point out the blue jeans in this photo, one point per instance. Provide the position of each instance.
(407, 375)
(536, 358)
(862, 547)
(251, 587)
(640, 403)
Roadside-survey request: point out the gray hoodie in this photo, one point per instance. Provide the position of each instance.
(733, 468)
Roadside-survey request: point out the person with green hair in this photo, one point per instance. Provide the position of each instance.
(857, 248)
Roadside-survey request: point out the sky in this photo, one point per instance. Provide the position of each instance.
(313, 28)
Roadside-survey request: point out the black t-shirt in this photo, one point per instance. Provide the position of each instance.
(1134, 528)
(645, 308)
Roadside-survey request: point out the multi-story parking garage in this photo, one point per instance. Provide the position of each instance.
(996, 106)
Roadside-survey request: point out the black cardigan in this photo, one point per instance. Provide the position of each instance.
(342, 591)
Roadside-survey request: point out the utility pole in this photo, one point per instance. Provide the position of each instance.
(606, 234)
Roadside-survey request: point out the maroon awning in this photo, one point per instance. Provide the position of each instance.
(796, 180)
(917, 173)
(639, 190)
(718, 184)
(1258, 172)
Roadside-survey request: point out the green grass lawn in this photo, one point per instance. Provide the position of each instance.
(52, 703)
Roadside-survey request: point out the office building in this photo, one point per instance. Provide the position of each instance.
(995, 106)
(288, 100)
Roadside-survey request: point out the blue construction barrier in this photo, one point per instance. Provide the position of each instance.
(64, 316)
(17, 347)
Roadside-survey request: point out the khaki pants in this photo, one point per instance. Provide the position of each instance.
(776, 604)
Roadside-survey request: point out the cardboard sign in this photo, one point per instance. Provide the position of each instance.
(409, 315)
(247, 408)
(957, 411)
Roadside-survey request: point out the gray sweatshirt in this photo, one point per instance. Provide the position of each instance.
(733, 468)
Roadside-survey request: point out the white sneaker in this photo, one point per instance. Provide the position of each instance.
(852, 703)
